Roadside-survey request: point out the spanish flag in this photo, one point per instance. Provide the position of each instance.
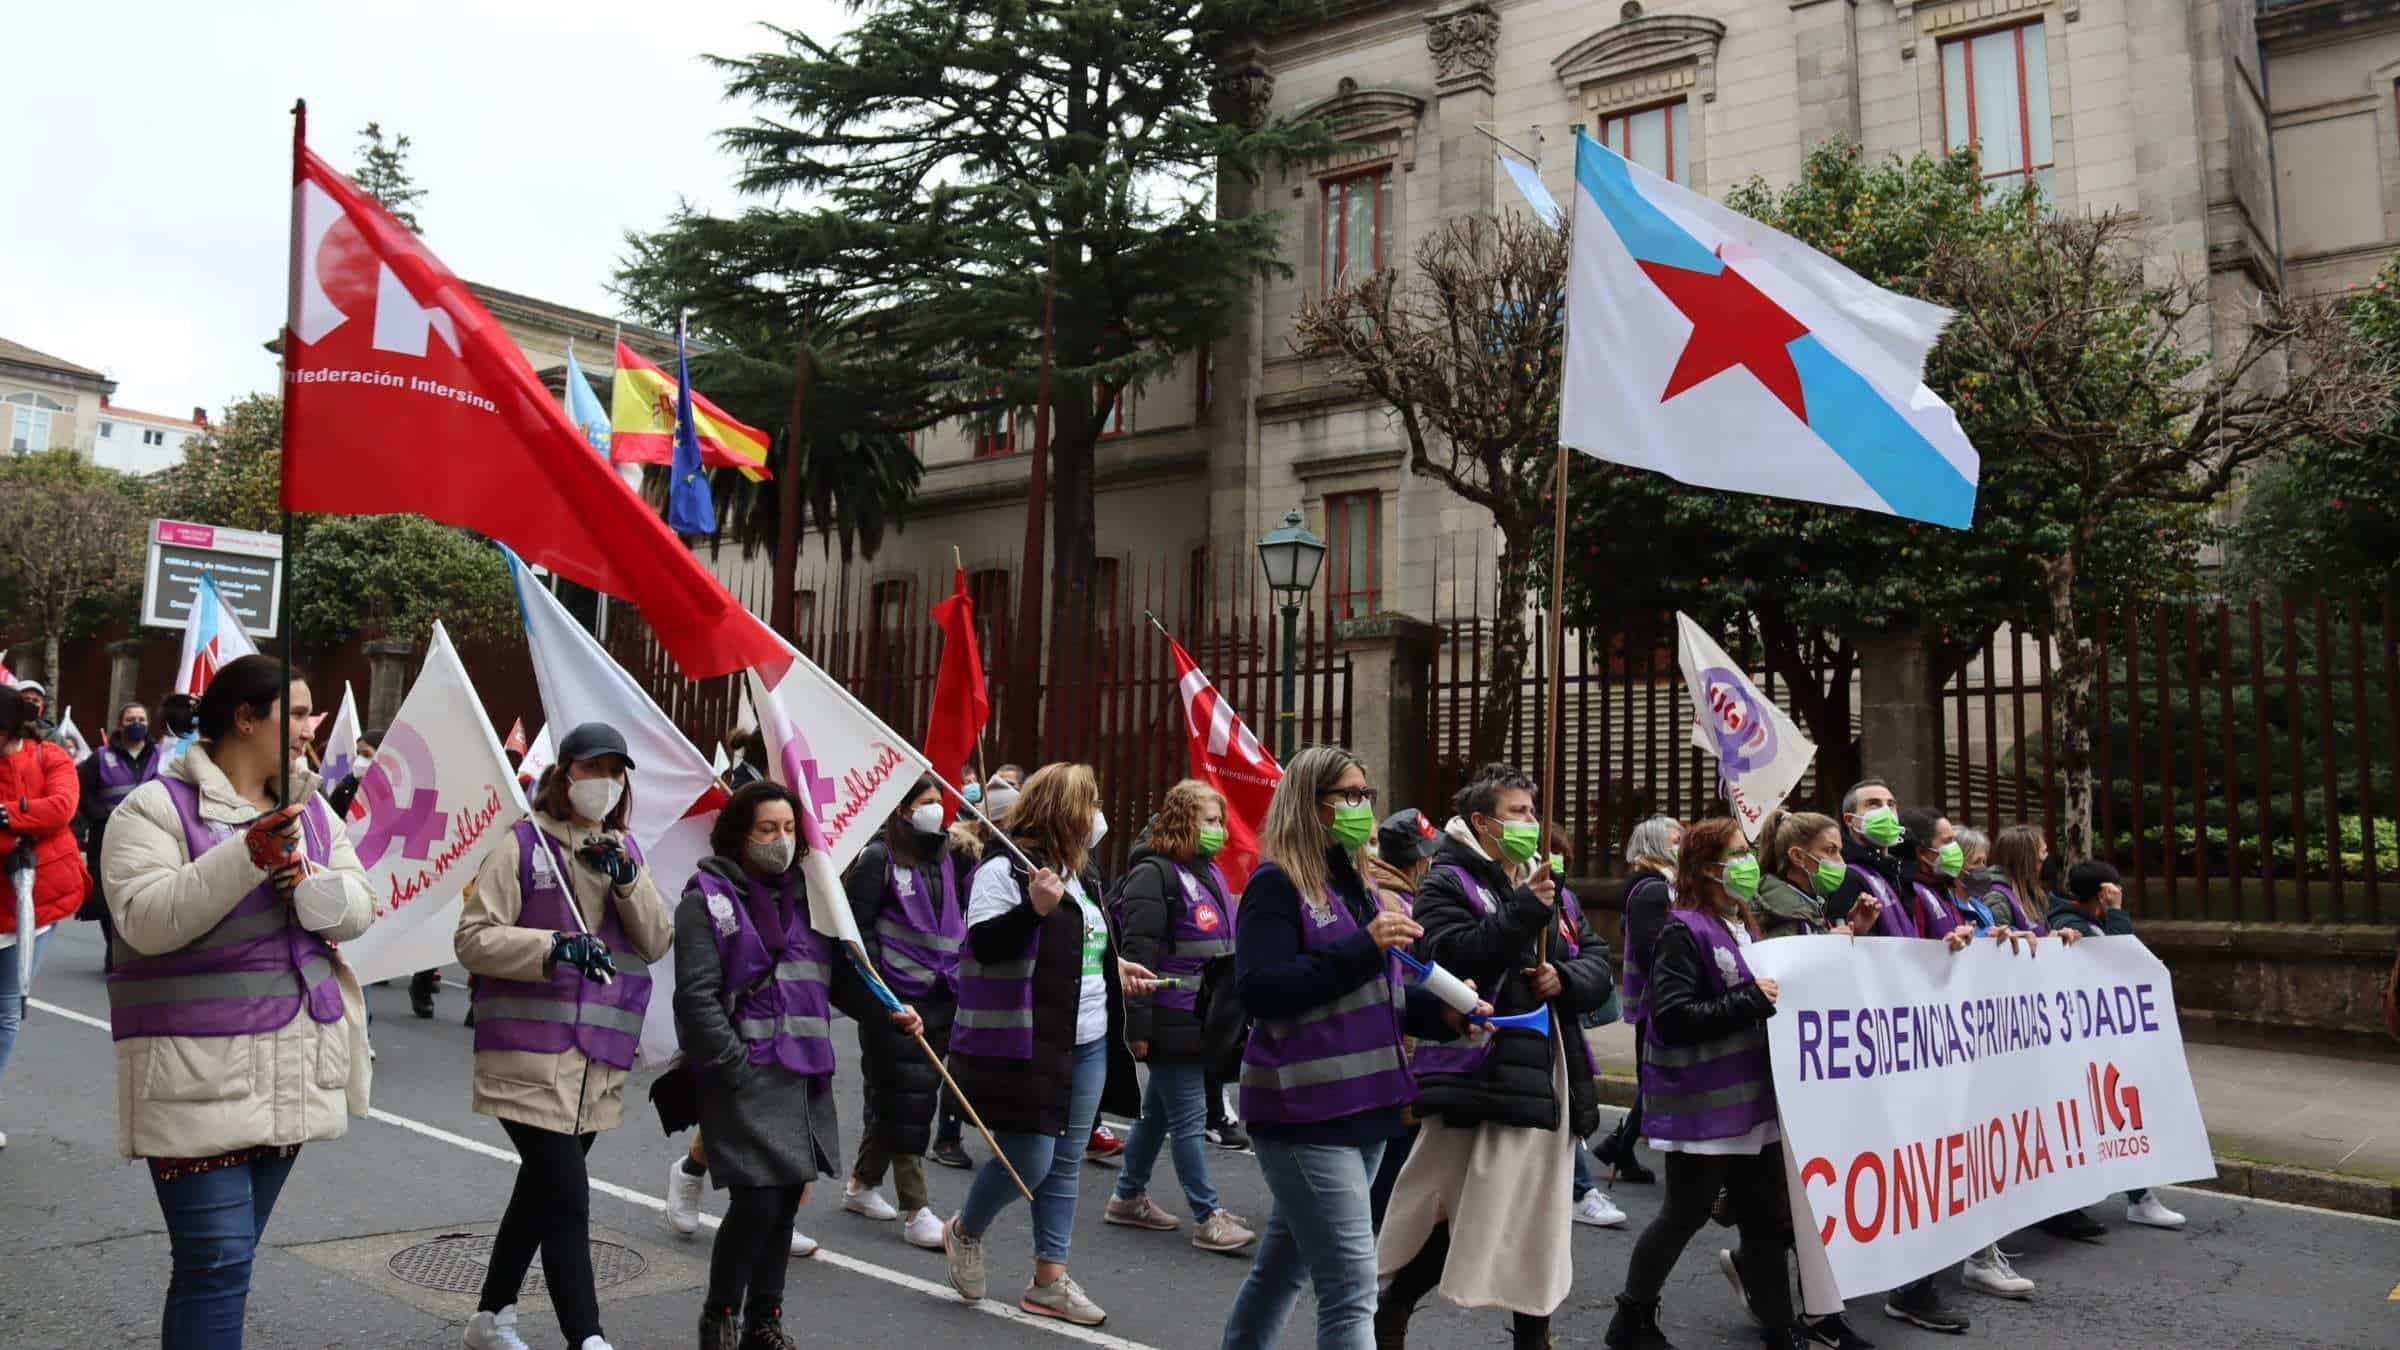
(642, 423)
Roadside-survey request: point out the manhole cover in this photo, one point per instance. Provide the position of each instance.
(455, 1263)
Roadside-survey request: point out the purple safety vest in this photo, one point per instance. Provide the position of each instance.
(920, 945)
(1203, 932)
(1720, 1089)
(2016, 909)
(118, 776)
(1633, 983)
(786, 1019)
(995, 998)
(1340, 1058)
(248, 975)
(1935, 913)
(1465, 1057)
(1896, 920)
(545, 1017)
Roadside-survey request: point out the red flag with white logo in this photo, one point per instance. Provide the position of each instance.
(1228, 758)
(402, 393)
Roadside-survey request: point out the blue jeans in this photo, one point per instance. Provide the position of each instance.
(1050, 1164)
(1583, 1174)
(1321, 1233)
(1175, 1103)
(12, 997)
(214, 1220)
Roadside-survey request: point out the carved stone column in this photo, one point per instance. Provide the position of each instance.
(1240, 93)
(1465, 44)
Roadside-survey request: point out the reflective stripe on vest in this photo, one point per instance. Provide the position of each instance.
(1202, 933)
(563, 1010)
(1718, 1089)
(250, 973)
(995, 999)
(919, 940)
(1340, 1058)
(784, 1012)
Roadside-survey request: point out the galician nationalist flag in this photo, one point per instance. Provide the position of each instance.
(1760, 754)
(437, 797)
(212, 639)
(583, 406)
(1707, 347)
(341, 745)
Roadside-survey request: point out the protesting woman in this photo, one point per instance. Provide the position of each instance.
(755, 988)
(240, 1033)
(1323, 1082)
(547, 917)
(1649, 895)
(39, 794)
(2011, 883)
(1039, 1045)
(908, 894)
(1393, 868)
(1175, 918)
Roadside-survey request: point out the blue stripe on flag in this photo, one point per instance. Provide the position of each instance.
(1648, 233)
(1871, 436)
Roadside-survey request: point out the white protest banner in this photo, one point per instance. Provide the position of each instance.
(341, 744)
(437, 796)
(1934, 1102)
(1760, 753)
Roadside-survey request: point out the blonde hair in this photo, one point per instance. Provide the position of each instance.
(1293, 838)
(1176, 832)
(1788, 830)
(1054, 814)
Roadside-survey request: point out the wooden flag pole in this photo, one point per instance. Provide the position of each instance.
(1553, 777)
(286, 792)
(959, 563)
(866, 968)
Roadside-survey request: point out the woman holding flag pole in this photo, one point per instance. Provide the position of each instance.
(556, 1018)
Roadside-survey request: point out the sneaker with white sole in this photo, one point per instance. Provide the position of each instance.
(803, 1244)
(867, 1202)
(1597, 1210)
(1222, 1233)
(495, 1331)
(683, 1199)
(966, 1261)
(1733, 1276)
(1139, 1211)
(2149, 1213)
(1989, 1272)
(923, 1229)
(595, 1343)
(1063, 1299)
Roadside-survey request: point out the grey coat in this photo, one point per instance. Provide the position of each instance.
(762, 1124)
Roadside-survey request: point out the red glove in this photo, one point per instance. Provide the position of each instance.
(273, 838)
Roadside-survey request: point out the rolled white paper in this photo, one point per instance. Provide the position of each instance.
(1449, 988)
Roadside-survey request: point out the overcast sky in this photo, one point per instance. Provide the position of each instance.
(149, 200)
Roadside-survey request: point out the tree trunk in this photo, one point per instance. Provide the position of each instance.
(1505, 678)
(1076, 648)
(2078, 669)
(50, 675)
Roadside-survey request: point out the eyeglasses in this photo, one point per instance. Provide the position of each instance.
(1350, 797)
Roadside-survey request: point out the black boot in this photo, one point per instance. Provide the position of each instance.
(420, 993)
(766, 1333)
(1635, 1327)
(719, 1329)
(1391, 1328)
(1617, 1151)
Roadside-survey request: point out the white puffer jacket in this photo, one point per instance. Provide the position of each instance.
(202, 1096)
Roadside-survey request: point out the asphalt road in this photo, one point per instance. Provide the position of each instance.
(85, 1256)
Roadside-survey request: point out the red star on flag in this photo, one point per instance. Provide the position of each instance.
(1733, 324)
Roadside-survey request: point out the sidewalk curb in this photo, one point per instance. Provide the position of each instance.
(2235, 1176)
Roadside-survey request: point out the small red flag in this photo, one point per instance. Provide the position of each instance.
(402, 393)
(961, 706)
(516, 738)
(1228, 758)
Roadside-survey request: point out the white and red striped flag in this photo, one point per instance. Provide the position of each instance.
(1228, 758)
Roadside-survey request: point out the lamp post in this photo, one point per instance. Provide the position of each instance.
(1291, 556)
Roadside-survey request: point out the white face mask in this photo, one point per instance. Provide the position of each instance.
(594, 798)
(772, 856)
(926, 819)
(1099, 831)
(999, 799)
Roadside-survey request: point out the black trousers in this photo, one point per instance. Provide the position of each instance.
(1754, 1183)
(1387, 1176)
(550, 1211)
(1629, 1130)
(1412, 1282)
(753, 1251)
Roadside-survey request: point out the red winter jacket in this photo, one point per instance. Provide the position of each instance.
(39, 788)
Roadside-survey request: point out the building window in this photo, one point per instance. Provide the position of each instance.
(804, 611)
(1354, 531)
(987, 590)
(1659, 139)
(29, 422)
(108, 431)
(1207, 383)
(1357, 215)
(1996, 97)
(997, 438)
(153, 437)
(890, 600)
(1112, 422)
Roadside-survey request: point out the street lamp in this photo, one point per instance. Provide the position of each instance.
(1291, 556)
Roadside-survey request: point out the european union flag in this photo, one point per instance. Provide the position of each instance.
(691, 507)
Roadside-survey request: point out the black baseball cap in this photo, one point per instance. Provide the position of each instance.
(591, 741)
(1406, 837)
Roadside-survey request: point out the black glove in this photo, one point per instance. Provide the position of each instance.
(584, 952)
(3, 817)
(608, 857)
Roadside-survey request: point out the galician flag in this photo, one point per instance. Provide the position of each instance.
(583, 406)
(1760, 754)
(1707, 347)
(212, 639)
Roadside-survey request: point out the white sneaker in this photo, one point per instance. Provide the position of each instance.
(1988, 1271)
(495, 1331)
(803, 1244)
(1597, 1210)
(3, 1139)
(867, 1201)
(924, 1230)
(595, 1343)
(2150, 1213)
(683, 1199)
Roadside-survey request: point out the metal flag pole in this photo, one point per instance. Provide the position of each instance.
(283, 454)
(1553, 775)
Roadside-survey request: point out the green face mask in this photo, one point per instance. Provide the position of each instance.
(1881, 826)
(1558, 864)
(1831, 873)
(1352, 825)
(1951, 861)
(1741, 876)
(1520, 840)
(1212, 840)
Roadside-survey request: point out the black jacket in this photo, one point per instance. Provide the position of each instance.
(1149, 909)
(2064, 914)
(1648, 897)
(1031, 1098)
(91, 821)
(1895, 865)
(1681, 1009)
(1513, 1086)
(903, 1089)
